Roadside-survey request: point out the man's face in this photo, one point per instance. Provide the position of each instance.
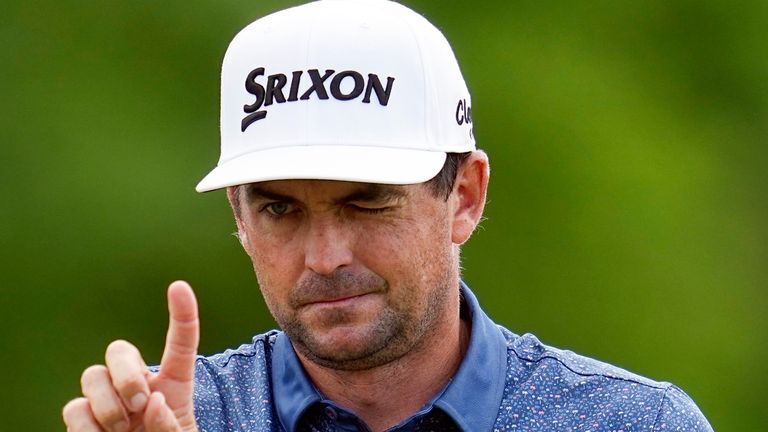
(356, 274)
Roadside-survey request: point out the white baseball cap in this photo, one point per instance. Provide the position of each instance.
(355, 90)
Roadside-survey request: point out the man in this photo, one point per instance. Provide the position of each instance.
(350, 164)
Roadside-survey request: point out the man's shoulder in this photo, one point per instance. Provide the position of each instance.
(255, 353)
(545, 384)
(530, 352)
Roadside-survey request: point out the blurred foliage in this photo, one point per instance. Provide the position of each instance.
(627, 214)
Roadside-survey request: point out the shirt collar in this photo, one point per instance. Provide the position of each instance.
(293, 390)
(472, 397)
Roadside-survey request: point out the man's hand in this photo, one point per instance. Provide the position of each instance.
(125, 396)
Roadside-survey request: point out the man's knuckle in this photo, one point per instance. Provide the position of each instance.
(181, 348)
(110, 416)
(129, 383)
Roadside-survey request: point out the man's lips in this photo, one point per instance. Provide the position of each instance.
(344, 285)
(337, 300)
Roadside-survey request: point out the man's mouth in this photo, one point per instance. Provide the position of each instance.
(340, 300)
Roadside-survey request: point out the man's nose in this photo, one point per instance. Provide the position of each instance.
(327, 247)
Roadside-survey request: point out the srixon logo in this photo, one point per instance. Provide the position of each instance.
(278, 89)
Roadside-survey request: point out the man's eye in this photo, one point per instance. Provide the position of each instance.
(278, 208)
(370, 210)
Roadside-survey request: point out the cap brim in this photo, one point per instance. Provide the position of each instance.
(366, 164)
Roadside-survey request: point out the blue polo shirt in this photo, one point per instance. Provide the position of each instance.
(504, 383)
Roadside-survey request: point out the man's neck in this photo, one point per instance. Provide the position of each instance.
(384, 396)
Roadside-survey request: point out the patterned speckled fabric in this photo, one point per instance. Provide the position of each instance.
(505, 383)
(552, 390)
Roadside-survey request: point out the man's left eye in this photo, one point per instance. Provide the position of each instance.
(370, 210)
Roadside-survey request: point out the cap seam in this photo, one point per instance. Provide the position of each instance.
(425, 92)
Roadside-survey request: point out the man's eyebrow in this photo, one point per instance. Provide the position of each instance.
(368, 193)
(253, 192)
(374, 193)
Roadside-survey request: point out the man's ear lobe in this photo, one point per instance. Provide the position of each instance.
(469, 191)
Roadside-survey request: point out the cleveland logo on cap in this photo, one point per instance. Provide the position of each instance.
(273, 93)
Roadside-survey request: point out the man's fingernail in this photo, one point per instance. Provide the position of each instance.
(138, 401)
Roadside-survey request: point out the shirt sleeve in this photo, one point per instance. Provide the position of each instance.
(678, 412)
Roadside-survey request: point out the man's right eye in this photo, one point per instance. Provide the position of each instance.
(278, 208)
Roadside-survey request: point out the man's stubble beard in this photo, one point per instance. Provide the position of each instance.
(397, 329)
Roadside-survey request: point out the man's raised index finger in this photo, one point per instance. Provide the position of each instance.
(178, 361)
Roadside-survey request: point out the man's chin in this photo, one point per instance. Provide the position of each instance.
(347, 348)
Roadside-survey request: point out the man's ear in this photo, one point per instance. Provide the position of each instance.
(233, 195)
(468, 195)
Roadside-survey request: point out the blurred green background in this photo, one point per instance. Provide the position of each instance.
(627, 216)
